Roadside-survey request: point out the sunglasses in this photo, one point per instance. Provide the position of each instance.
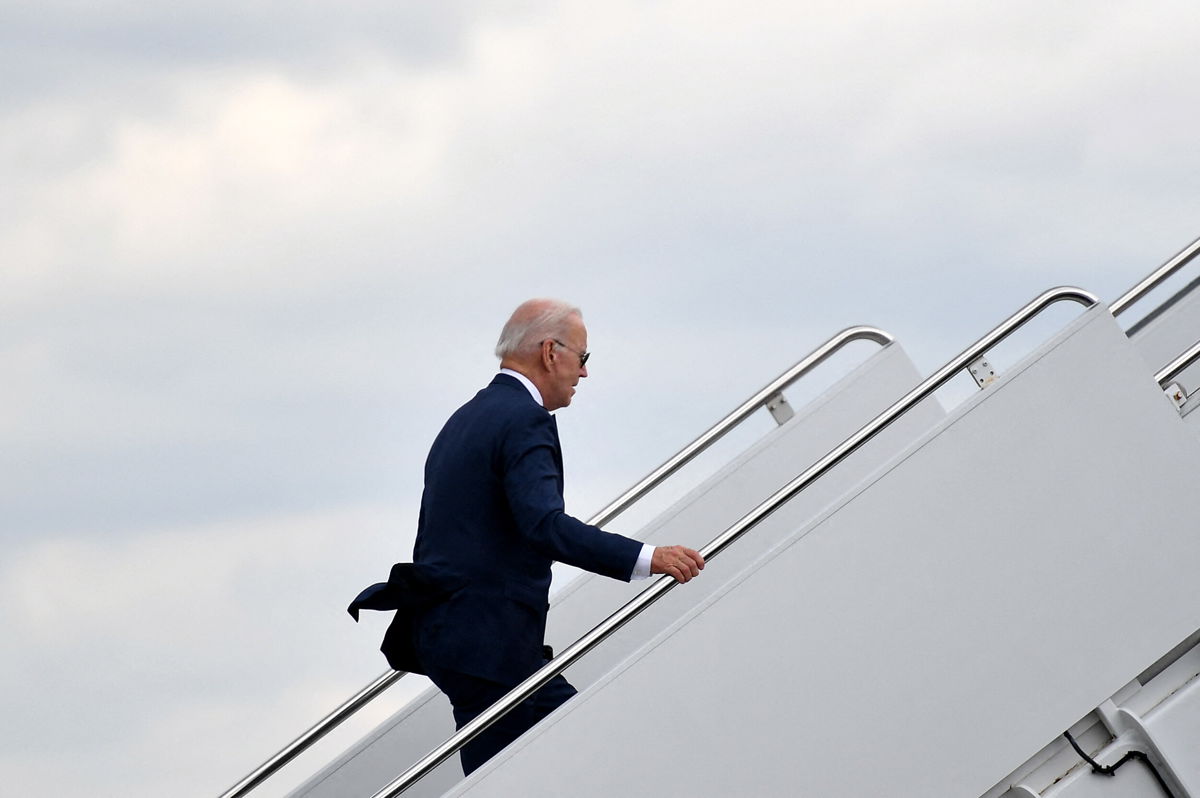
(583, 356)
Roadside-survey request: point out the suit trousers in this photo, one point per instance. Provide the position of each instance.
(471, 695)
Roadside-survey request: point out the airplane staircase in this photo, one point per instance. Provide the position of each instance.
(992, 601)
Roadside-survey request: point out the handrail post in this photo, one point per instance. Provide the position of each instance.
(664, 583)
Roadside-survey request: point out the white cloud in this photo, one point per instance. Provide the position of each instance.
(240, 172)
(65, 591)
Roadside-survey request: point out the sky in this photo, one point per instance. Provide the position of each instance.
(253, 255)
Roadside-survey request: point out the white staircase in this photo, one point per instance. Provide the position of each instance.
(926, 618)
(996, 582)
(712, 506)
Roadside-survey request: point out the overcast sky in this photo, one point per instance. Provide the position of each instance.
(252, 255)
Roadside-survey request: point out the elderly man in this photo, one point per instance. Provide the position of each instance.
(492, 522)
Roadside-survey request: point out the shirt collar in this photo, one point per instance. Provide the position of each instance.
(528, 383)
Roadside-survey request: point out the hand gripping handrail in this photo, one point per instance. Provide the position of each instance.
(1152, 280)
(1173, 369)
(685, 455)
(664, 583)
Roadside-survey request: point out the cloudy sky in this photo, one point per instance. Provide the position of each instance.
(252, 255)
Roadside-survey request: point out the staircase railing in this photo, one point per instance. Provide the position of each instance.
(663, 584)
(1176, 366)
(1152, 280)
(763, 398)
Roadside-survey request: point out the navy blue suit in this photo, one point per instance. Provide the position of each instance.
(492, 522)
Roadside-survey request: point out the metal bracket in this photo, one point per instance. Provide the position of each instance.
(982, 372)
(781, 411)
(1177, 394)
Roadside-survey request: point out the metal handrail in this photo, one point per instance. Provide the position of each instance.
(747, 408)
(1173, 369)
(385, 680)
(664, 583)
(317, 731)
(1152, 280)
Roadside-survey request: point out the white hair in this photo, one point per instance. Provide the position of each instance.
(526, 331)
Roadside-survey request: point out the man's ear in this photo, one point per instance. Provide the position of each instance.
(548, 354)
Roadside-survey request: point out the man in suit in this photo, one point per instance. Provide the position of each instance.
(492, 522)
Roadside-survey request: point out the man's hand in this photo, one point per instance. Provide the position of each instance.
(678, 561)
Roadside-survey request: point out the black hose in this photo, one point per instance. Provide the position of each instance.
(1111, 770)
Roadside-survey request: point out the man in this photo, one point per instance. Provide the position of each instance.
(492, 522)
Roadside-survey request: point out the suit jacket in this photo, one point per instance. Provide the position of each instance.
(492, 522)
